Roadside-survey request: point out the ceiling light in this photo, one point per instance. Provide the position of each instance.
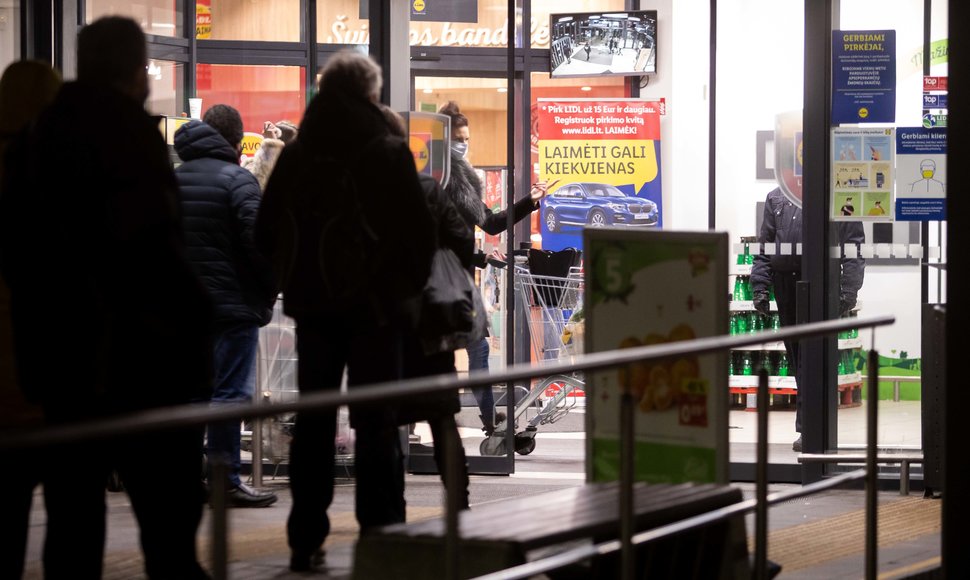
(503, 90)
(585, 88)
(427, 91)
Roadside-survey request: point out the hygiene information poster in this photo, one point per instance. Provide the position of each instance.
(863, 76)
(646, 288)
(920, 174)
(862, 174)
(601, 159)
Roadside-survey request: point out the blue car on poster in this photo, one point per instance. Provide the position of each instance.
(595, 205)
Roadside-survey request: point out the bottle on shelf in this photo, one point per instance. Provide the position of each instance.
(733, 325)
(738, 292)
(775, 321)
(782, 370)
(731, 364)
(747, 368)
(741, 326)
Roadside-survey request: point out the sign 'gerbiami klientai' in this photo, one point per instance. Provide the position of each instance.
(863, 76)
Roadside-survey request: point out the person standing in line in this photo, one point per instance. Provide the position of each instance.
(782, 223)
(350, 298)
(438, 409)
(26, 88)
(465, 190)
(108, 317)
(588, 49)
(219, 202)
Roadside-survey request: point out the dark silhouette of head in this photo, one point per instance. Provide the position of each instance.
(111, 51)
(351, 74)
(26, 88)
(227, 122)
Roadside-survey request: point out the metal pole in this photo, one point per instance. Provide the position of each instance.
(220, 523)
(872, 477)
(256, 443)
(761, 512)
(627, 557)
(452, 504)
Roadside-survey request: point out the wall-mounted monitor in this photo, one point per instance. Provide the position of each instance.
(592, 44)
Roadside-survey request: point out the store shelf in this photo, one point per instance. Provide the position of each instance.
(748, 306)
(741, 269)
(844, 344)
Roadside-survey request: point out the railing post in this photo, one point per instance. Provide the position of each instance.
(256, 443)
(872, 475)
(452, 502)
(627, 556)
(761, 513)
(219, 548)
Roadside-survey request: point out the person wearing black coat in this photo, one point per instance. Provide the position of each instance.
(438, 409)
(344, 131)
(466, 192)
(219, 201)
(108, 317)
(782, 223)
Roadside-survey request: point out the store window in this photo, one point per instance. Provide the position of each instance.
(260, 93)
(9, 33)
(278, 20)
(157, 17)
(167, 84)
(472, 23)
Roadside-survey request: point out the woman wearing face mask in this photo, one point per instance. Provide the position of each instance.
(466, 191)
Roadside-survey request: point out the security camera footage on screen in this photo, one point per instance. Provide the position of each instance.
(594, 44)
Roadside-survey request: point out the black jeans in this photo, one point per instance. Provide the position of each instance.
(325, 346)
(785, 289)
(167, 503)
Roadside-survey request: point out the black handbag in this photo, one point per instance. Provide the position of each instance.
(452, 311)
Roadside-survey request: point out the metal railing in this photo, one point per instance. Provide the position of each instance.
(198, 415)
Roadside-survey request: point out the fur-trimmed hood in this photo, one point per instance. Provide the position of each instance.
(465, 189)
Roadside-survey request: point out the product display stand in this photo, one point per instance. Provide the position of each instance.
(745, 363)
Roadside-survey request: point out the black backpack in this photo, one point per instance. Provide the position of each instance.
(356, 243)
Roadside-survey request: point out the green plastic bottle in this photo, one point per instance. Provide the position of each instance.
(746, 366)
(782, 370)
(733, 325)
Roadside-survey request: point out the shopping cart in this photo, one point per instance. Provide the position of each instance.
(551, 307)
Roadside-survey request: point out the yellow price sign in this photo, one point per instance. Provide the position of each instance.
(419, 5)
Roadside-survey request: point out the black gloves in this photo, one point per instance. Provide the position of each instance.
(846, 304)
(761, 302)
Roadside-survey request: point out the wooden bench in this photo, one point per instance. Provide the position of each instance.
(502, 534)
(903, 459)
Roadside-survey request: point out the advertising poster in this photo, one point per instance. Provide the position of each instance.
(863, 76)
(203, 19)
(494, 198)
(681, 417)
(862, 174)
(601, 159)
(920, 174)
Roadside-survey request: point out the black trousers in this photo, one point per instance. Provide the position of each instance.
(785, 292)
(325, 346)
(161, 473)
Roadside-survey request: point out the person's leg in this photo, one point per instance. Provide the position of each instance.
(478, 361)
(322, 350)
(235, 376)
(378, 455)
(168, 507)
(17, 487)
(74, 481)
(441, 427)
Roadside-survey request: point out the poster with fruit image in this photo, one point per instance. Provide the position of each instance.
(646, 288)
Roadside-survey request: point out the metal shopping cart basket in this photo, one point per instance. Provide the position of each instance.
(551, 307)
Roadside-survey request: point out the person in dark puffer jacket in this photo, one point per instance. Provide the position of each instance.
(219, 202)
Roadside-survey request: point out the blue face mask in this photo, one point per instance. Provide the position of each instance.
(460, 149)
